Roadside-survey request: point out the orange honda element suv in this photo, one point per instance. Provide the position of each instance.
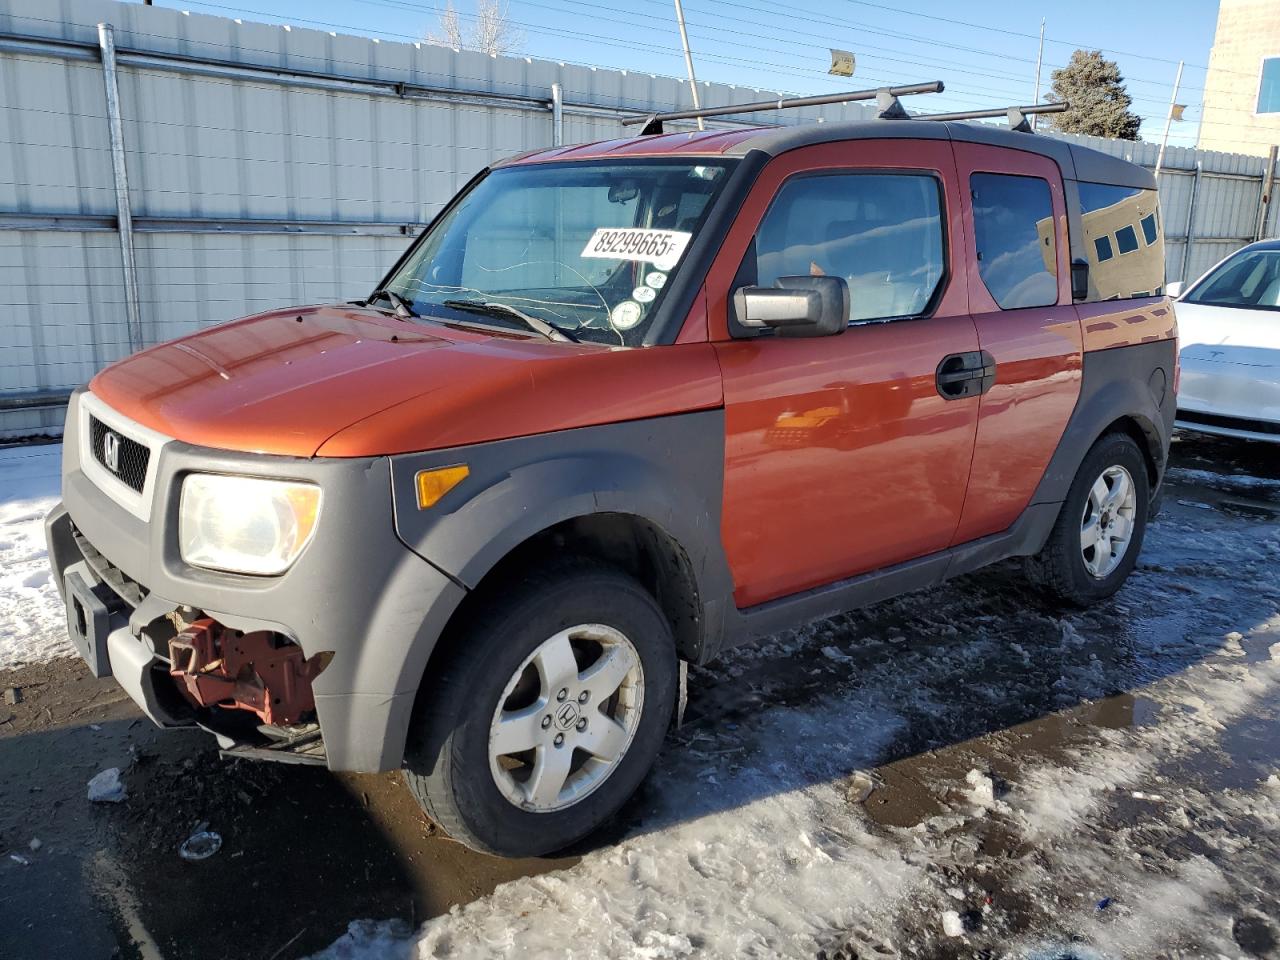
(621, 405)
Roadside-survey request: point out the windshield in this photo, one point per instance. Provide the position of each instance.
(589, 248)
(1250, 280)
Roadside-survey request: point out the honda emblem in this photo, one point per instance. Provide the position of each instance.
(111, 451)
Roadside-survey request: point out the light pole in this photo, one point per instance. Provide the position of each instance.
(688, 61)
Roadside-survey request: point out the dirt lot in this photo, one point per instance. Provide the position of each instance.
(1078, 781)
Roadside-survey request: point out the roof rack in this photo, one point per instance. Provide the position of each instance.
(886, 102)
(1017, 115)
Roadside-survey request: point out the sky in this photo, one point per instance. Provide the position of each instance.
(985, 52)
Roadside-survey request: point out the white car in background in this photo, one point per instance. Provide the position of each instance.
(1229, 338)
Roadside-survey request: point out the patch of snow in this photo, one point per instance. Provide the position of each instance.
(952, 925)
(1210, 479)
(768, 862)
(371, 940)
(982, 789)
(107, 787)
(32, 620)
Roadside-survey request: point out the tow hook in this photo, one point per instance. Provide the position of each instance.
(262, 672)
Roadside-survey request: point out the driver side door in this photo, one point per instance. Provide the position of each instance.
(844, 454)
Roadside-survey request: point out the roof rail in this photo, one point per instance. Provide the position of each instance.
(886, 101)
(1017, 115)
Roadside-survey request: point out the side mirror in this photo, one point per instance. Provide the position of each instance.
(1174, 290)
(795, 306)
(1079, 279)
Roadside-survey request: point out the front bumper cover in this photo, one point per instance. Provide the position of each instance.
(357, 591)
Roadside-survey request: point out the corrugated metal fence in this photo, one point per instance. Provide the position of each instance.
(268, 166)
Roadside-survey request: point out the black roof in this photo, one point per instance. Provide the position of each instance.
(1075, 162)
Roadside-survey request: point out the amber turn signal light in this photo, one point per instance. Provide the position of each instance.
(434, 484)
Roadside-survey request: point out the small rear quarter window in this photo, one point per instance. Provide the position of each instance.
(1120, 264)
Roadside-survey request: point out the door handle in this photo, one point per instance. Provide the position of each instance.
(961, 375)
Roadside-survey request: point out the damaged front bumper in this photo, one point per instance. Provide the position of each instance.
(320, 664)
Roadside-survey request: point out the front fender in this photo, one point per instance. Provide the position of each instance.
(666, 470)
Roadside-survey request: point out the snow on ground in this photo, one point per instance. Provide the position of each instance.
(1141, 838)
(32, 621)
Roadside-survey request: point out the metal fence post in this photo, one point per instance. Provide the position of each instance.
(557, 115)
(124, 216)
(1189, 233)
(1265, 197)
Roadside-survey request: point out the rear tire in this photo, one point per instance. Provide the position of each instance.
(1095, 541)
(547, 715)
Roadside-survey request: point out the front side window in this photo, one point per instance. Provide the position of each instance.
(1014, 232)
(881, 232)
(1269, 86)
(1249, 280)
(1120, 263)
(590, 248)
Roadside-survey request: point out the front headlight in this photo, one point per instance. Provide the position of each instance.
(245, 524)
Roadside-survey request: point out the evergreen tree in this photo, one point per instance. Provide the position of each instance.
(1099, 103)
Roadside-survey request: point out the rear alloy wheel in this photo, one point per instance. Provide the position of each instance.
(548, 712)
(1107, 526)
(1095, 541)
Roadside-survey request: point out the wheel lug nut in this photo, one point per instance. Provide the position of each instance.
(559, 740)
(584, 696)
(562, 695)
(582, 724)
(546, 722)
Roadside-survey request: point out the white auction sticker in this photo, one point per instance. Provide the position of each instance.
(662, 248)
(626, 314)
(643, 294)
(656, 280)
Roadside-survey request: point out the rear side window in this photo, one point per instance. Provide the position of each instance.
(1014, 230)
(881, 232)
(1122, 240)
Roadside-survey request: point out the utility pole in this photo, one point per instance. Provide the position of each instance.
(1039, 60)
(688, 61)
(1168, 121)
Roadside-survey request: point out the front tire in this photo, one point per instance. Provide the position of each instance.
(1095, 541)
(549, 713)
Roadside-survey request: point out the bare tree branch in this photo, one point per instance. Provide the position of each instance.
(448, 31)
(492, 33)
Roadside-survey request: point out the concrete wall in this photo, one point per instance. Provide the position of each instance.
(270, 166)
(1248, 31)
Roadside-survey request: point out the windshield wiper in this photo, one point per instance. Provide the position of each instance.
(492, 309)
(403, 310)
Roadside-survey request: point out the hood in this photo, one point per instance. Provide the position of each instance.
(344, 381)
(1228, 334)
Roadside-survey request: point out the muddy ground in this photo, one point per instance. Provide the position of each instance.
(305, 852)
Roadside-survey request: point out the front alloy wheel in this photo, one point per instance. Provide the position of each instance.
(545, 711)
(561, 729)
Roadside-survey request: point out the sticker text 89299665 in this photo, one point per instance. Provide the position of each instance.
(660, 247)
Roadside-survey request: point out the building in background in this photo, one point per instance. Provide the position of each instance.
(1242, 89)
